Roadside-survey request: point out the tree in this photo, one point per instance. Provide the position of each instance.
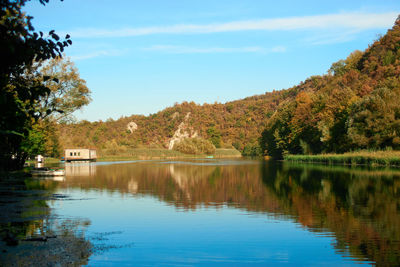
(20, 48)
(375, 120)
(68, 91)
(66, 95)
(214, 136)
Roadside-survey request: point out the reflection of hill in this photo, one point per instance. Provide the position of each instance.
(184, 185)
(360, 207)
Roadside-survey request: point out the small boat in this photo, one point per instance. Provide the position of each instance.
(47, 172)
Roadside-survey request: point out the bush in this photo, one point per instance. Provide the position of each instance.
(252, 150)
(195, 146)
(113, 148)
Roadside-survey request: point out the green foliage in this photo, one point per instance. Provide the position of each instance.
(214, 136)
(195, 146)
(67, 95)
(42, 139)
(19, 94)
(374, 121)
(252, 150)
(34, 144)
(372, 158)
(113, 148)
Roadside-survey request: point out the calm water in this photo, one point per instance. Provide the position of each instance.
(229, 212)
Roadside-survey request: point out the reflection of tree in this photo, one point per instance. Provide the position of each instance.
(360, 207)
(30, 234)
(183, 185)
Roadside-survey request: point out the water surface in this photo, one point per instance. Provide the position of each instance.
(232, 212)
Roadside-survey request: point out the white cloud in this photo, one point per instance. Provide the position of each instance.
(355, 21)
(95, 54)
(172, 49)
(332, 37)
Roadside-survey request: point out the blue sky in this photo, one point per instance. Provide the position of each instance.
(139, 57)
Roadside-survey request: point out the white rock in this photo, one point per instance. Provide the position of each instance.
(131, 127)
(182, 132)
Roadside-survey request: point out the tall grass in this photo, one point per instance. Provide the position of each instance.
(371, 158)
(161, 153)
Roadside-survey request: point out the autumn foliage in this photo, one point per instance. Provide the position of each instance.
(236, 124)
(355, 106)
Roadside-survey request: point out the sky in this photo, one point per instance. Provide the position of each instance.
(139, 57)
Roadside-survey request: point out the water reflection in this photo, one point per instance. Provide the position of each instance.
(80, 169)
(359, 207)
(30, 234)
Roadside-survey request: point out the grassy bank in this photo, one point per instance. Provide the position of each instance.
(47, 160)
(159, 153)
(371, 158)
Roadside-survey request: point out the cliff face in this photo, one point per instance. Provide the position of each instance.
(182, 132)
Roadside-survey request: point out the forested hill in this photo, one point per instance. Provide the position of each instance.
(238, 123)
(355, 106)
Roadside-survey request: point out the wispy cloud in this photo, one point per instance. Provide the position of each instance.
(172, 49)
(99, 53)
(332, 37)
(355, 21)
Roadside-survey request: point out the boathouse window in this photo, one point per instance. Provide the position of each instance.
(79, 153)
(70, 153)
(74, 153)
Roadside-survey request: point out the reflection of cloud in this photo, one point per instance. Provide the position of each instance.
(172, 49)
(353, 20)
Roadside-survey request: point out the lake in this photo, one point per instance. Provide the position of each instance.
(217, 212)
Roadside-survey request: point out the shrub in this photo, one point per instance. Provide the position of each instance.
(195, 146)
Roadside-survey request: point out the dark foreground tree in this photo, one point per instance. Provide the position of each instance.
(20, 48)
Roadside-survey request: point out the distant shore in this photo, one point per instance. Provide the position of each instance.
(370, 158)
(156, 153)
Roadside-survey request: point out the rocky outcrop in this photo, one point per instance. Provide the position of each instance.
(183, 131)
(175, 115)
(131, 127)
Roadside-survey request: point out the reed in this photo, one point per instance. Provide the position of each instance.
(364, 157)
(160, 153)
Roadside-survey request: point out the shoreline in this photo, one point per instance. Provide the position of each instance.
(150, 154)
(361, 158)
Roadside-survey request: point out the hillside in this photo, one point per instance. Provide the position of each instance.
(237, 123)
(355, 106)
